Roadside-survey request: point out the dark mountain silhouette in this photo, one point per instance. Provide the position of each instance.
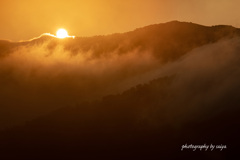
(138, 123)
(137, 95)
(166, 41)
(46, 73)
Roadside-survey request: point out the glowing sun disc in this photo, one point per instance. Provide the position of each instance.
(62, 33)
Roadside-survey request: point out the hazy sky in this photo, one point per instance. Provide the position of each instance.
(25, 19)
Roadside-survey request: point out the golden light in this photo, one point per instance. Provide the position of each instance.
(62, 33)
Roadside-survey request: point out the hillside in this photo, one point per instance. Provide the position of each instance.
(143, 122)
(46, 73)
(141, 94)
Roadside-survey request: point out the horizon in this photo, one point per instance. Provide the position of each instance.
(22, 20)
(76, 36)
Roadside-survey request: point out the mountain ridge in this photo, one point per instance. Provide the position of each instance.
(143, 93)
(170, 23)
(161, 39)
(145, 50)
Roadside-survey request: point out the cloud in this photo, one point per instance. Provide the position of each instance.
(48, 73)
(205, 83)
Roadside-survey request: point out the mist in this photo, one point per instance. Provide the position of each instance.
(142, 93)
(205, 82)
(38, 78)
(46, 73)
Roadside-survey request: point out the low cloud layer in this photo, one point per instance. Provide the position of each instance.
(42, 76)
(194, 99)
(206, 82)
(46, 73)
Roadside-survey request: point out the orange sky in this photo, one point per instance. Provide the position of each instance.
(25, 19)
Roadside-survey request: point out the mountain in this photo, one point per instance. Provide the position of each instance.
(167, 41)
(144, 122)
(141, 94)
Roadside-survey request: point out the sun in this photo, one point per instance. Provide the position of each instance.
(62, 33)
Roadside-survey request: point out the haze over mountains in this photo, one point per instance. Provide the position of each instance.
(161, 85)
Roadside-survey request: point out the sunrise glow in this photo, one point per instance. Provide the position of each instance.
(62, 33)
